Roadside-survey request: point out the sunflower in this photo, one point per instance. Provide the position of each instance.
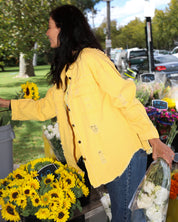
(66, 203)
(27, 190)
(61, 215)
(33, 193)
(45, 199)
(71, 196)
(43, 213)
(13, 194)
(9, 212)
(30, 91)
(36, 201)
(54, 205)
(56, 185)
(22, 201)
(85, 190)
(68, 181)
(4, 182)
(34, 173)
(35, 91)
(56, 193)
(27, 90)
(19, 174)
(34, 183)
(49, 179)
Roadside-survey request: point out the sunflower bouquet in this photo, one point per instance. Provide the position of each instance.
(43, 188)
(29, 90)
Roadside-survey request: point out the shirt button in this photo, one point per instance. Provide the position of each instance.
(68, 109)
(70, 78)
(73, 125)
(79, 141)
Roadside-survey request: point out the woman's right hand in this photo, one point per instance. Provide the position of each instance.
(4, 103)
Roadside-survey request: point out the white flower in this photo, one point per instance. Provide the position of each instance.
(56, 126)
(148, 187)
(49, 135)
(144, 201)
(161, 195)
(154, 214)
(50, 127)
(58, 135)
(106, 202)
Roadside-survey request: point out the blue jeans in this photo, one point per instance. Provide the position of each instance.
(123, 188)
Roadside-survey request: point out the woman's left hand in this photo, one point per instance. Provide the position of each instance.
(160, 149)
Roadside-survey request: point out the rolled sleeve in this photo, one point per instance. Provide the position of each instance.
(28, 109)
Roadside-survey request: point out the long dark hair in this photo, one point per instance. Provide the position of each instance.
(75, 35)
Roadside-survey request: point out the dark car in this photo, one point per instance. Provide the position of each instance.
(132, 58)
(136, 58)
(167, 64)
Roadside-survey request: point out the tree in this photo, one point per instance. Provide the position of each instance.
(165, 26)
(131, 35)
(160, 32)
(24, 23)
(172, 25)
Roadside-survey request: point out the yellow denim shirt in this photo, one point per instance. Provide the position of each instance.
(107, 123)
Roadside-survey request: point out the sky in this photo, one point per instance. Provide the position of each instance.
(124, 11)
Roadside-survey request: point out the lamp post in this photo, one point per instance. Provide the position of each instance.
(108, 29)
(148, 13)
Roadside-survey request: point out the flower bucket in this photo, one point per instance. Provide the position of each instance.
(172, 215)
(6, 157)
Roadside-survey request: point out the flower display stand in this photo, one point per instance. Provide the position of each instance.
(172, 213)
(6, 157)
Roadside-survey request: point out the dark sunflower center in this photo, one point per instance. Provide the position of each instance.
(36, 200)
(54, 195)
(27, 191)
(5, 183)
(18, 176)
(68, 181)
(10, 210)
(14, 195)
(60, 215)
(48, 180)
(27, 91)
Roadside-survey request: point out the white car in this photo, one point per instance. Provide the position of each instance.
(175, 51)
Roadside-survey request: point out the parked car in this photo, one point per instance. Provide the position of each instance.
(167, 64)
(157, 52)
(175, 51)
(131, 58)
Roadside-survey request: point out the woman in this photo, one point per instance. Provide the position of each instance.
(99, 117)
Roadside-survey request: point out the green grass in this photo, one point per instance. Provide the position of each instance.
(28, 143)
